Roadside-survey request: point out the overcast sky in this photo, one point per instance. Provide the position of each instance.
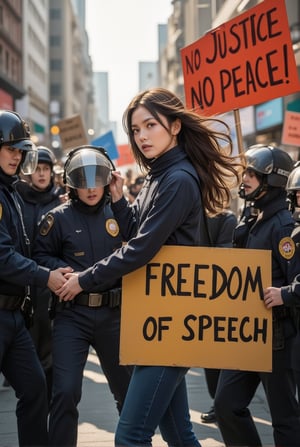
(122, 33)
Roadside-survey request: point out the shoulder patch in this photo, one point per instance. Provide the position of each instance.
(112, 227)
(286, 247)
(46, 224)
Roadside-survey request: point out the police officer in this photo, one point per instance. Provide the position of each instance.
(18, 359)
(291, 294)
(267, 226)
(77, 234)
(40, 194)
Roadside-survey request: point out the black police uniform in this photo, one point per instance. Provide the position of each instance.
(291, 296)
(36, 205)
(269, 230)
(19, 361)
(75, 234)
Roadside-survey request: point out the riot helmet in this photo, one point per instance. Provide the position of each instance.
(271, 165)
(88, 167)
(14, 132)
(293, 185)
(45, 155)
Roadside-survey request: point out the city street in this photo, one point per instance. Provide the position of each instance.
(98, 415)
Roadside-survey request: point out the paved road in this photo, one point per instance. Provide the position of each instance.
(98, 415)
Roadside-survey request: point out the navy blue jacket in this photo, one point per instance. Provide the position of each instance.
(167, 211)
(271, 230)
(221, 228)
(17, 270)
(291, 293)
(77, 235)
(37, 204)
(273, 224)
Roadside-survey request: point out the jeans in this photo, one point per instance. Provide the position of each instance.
(156, 397)
(21, 367)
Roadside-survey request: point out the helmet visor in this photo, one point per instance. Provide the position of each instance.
(24, 145)
(293, 182)
(88, 169)
(260, 160)
(29, 162)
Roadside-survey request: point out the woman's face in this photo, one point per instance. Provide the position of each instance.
(150, 136)
(10, 159)
(90, 196)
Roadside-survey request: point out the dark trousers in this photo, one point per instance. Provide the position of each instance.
(296, 362)
(21, 367)
(212, 377)
(41, 333)
(75, 329)
(237, 388)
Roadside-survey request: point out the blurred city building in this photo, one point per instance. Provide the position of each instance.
(46, 72)
(34, 104)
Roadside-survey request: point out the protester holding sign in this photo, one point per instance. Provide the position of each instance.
(266, 224)
(186, 174)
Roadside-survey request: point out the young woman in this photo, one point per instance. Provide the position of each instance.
(187, 173)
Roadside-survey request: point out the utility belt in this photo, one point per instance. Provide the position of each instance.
(110, 298)
(11, 302)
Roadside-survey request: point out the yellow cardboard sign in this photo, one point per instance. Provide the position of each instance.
(198, 307)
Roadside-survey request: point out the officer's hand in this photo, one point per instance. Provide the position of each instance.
(70, 288)
(63, 198)
(116, 186)
(272, 297)
(57, 278)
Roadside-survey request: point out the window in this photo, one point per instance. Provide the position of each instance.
(56, 64)
(55, 41)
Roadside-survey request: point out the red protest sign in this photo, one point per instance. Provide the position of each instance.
(245, 61)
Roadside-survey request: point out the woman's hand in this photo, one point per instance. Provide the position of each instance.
(70, 288)
(57, 278)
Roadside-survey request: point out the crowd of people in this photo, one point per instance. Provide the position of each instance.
(65, 248)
